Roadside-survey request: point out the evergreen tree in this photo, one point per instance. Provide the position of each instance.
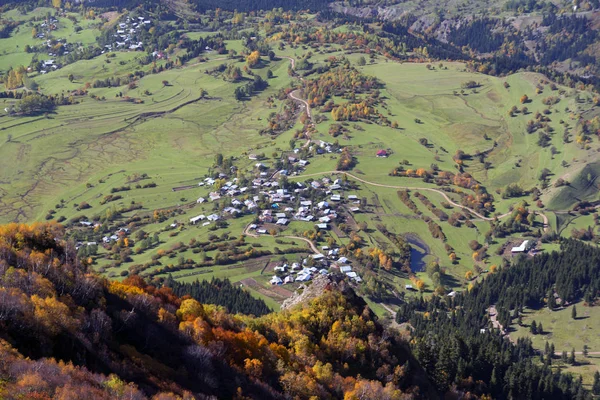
(596, 385)
(574, 312)
(572, 357)
(551, 300)
(533, 328)
(220, 292)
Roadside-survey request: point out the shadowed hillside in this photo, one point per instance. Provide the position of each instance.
(83, 334)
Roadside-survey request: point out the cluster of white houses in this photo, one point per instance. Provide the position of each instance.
(280, 205)
(126, 36)
(323, 265)
(115, 236)
(46, 27)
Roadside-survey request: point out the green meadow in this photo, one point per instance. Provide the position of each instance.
(80, 152)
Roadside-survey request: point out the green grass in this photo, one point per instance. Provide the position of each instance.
(82, 151)
(562, 330)
(12, 50)
(582, 187)
(566, 334)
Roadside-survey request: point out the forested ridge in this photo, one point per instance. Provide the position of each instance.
(455, 343)
(66, 333)
(130, 339)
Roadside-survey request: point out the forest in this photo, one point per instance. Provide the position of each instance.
(454, 340)
(65, 331)
(131, 339)
(220, 292)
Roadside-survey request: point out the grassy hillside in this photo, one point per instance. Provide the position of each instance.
(566, 334)
(582, 187)
(132, 156)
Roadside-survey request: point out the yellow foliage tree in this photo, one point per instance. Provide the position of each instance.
(189, 310)
(53, 315)
(253, 59)
(253, 367)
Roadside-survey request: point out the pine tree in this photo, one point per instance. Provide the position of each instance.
(596, 385)
(585, 350)
(551, 299)
(563, 357)
(572, 357)
(574, 312)
(540, 329)
(533, 328)
(494, 378)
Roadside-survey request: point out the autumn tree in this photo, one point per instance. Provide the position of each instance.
(253, 59)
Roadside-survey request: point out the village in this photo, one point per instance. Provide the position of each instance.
(277, 203)
(128, 36)
(128, 32)
(280, 204)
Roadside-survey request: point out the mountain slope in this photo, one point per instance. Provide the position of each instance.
(82, 333)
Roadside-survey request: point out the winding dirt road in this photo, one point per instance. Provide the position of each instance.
(311, 244)
(448, 199)
(294, 96)
(444, 195)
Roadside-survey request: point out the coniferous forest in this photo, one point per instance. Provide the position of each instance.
(456, 342)
(220, 292)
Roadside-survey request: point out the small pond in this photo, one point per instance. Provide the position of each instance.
(418, 252)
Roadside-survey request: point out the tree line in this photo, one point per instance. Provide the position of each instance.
(220, 292)
(456, 344)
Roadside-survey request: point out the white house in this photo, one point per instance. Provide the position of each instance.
(196, 219)
(523, 248)
(276, 280)
(303, 277)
